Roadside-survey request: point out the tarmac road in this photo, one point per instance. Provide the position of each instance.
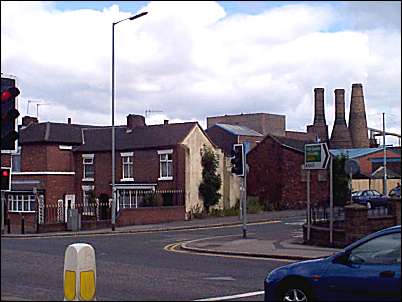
(138, 267)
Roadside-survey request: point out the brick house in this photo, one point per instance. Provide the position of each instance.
(277, 176)
(69, 166)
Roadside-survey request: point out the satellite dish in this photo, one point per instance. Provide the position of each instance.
(352, 166)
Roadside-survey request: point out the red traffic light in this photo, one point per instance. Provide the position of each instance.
(9, 93)
(5, 179)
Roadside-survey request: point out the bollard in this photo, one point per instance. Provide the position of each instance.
(79, 273)
(22, 224)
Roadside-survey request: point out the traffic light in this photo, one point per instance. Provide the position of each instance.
(237, 160)
(5, 179)
(9, 113)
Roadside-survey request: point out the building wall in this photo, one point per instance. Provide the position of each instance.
(301, 135)
(261, 122)
(145, 169)
(366, 165)
(276, 177)
(195, 142)
(51, 166)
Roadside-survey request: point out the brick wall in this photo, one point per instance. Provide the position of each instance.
(276, 177)
(15, 223)
(150, 215)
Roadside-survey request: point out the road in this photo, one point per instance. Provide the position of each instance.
(138, 267)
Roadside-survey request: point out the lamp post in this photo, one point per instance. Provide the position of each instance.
(113, 128)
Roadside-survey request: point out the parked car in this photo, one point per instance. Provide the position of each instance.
(395, 192)
(367, 270)
(370, 198)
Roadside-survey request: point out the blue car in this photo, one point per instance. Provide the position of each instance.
(367, 270)
(370, 198)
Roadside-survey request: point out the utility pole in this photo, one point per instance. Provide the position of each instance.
(385, 189)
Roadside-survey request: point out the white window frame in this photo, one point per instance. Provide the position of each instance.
(129, 156)
(23, 200)
(88, 159)
(165, 161)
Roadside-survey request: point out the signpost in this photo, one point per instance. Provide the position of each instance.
(317, 157)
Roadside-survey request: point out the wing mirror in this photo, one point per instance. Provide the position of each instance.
(342, 258)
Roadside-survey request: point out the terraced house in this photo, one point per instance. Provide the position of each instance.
(62, 166)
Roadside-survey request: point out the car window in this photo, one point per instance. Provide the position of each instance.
(385, 249)
(375, 193)
(369, 193)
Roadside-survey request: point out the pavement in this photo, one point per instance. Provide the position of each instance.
(251, 246)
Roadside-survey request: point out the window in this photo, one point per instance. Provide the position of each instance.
(88, 199)
(21, 203)
(385, 249)
(88, 163)
(166, 165)
(127, 160)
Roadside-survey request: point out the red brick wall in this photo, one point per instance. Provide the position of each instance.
(265, 177)
(150, 215)
(15, 223)
(275, 177)
(33, 158)
(59, 160)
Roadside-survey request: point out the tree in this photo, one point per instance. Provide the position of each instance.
(341, 181)
(211, 181)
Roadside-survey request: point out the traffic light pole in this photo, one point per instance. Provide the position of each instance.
(244, 202)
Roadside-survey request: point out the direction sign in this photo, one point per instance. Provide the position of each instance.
(316, 156)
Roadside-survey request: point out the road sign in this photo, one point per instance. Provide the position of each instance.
(316, 156)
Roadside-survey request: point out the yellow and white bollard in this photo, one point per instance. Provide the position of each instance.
(79, 273)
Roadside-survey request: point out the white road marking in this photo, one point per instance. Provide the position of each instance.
(233, 297)
(220, 278)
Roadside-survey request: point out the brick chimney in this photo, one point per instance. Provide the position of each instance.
(134, 120)
(340, 137)
(319, 127)
(28, 120)
(357, 118)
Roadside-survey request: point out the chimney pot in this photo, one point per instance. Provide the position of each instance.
(165, 122)
(69, 121)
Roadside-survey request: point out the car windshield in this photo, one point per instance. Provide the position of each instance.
(357, 193)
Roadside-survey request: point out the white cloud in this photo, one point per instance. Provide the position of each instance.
(192, 60)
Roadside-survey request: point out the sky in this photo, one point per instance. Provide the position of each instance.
(185, 61)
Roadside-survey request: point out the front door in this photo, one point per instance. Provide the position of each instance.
(69, 203)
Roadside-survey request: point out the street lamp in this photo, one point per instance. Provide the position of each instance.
(113, 129)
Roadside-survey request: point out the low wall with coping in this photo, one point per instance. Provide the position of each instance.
(149, 215)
